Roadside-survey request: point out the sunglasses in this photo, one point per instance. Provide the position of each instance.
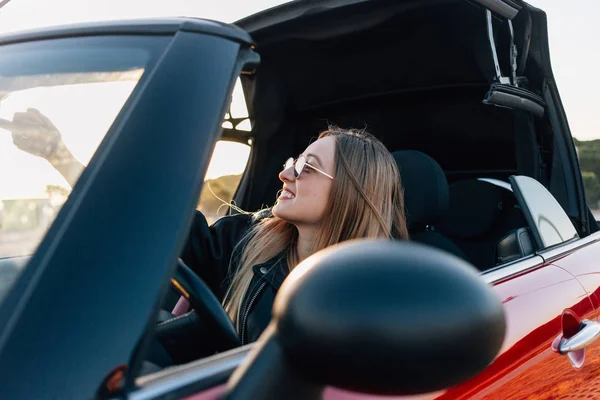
(299, 164)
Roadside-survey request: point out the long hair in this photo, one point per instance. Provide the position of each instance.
(366, 201)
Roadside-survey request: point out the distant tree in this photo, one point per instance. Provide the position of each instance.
(589, 161)
(592, 189)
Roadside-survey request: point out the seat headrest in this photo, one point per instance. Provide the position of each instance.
(474, 207)
(425, 188)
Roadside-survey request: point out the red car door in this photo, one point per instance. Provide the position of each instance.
(550, 350)
(581, 259)
(543, 302)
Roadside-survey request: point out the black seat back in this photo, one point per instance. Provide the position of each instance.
(480, 214)
(425, 197)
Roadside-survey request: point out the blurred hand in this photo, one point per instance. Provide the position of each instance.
(34, 133)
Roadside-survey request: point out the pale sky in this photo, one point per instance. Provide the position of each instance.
(573, 31)
(575, 52)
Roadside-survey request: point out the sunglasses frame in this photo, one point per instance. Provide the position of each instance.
(291, 162)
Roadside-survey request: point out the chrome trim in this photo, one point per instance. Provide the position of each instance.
(490, 30)
(175, 378)
(513, 54)
(588, 334)
(562, 249)
(497, 182)
(507, 270)
(501, 272)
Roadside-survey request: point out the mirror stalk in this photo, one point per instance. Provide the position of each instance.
(267, 360)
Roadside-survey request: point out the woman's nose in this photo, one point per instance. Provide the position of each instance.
(287, 175)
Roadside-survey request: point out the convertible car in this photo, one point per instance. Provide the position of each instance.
(496, 295)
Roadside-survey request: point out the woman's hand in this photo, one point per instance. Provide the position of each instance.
(35, 134)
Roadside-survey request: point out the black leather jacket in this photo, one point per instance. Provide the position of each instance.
(212, 252)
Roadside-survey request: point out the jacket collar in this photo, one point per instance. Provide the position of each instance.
(273, 271)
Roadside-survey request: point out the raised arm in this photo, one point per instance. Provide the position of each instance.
(35, 134)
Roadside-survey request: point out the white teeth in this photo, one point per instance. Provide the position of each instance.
(287, 195)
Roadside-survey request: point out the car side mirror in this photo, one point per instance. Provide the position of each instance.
(374, 316)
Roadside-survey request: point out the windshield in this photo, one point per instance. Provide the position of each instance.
(58, 99)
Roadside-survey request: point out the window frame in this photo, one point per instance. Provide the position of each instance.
(98, 246)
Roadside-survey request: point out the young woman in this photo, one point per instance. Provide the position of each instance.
(345, 185)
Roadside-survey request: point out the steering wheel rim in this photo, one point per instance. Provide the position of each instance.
(207, 306)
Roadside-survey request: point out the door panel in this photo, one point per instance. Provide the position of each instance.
(528, 367)
(584, 264)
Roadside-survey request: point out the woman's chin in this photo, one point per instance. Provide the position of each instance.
(280, 210)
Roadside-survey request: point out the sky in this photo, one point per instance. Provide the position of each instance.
(572, 26)
(574, 35)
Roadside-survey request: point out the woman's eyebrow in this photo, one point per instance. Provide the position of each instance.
(316, 158)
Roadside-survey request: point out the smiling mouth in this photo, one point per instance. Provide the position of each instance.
(287, 195)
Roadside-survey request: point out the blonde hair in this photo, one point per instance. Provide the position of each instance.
(366, 201)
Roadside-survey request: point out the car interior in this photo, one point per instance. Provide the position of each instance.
(416, 78)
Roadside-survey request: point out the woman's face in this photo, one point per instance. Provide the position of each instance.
(303, 200)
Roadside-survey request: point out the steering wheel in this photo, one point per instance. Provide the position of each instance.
(207, 307)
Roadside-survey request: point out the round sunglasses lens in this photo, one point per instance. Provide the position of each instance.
(288, 163)
(299, 167)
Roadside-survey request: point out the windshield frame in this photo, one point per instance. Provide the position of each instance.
(83, 283)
